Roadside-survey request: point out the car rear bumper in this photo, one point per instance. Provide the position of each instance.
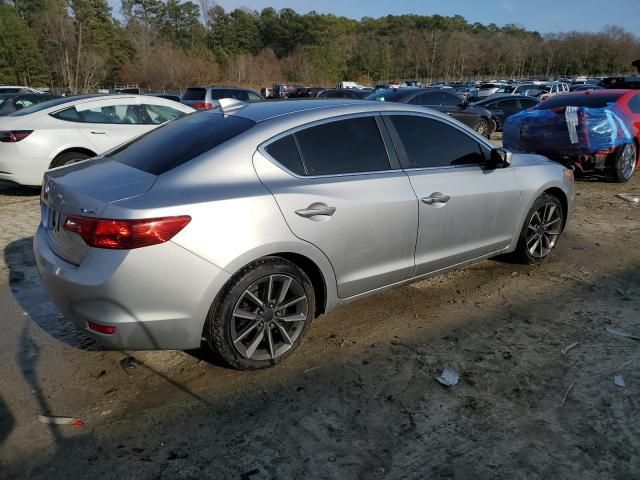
(157, 297)
(20, 169)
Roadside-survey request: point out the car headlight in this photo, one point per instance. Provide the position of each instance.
(603, 127)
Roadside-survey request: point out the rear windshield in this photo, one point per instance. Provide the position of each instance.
(194, 94)
(589, 101)
(179, 141)
(51, 103)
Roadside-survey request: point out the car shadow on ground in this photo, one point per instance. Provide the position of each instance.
(10, 189)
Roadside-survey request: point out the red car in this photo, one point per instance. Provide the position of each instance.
(592, 131)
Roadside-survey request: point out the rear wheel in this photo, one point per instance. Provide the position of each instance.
(262, 315)
(482, 127)
(541, 229)
(68, 158)
(622, 163)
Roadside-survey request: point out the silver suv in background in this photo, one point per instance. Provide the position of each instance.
(206, 98)
(240, 225)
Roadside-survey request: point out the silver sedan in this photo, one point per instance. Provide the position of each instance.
(238, 227)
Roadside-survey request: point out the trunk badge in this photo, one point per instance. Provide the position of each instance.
(88, 211)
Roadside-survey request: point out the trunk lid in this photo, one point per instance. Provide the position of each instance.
(85, 189)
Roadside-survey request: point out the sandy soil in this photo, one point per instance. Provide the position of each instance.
(359, 400)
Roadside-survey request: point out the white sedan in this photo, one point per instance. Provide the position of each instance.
(67, 130)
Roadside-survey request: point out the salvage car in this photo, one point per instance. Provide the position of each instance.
(595, 131)
(502, 107)
(240, 226)
(443, 101)
(70, 129)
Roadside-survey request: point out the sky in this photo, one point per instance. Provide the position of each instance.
(544, 16)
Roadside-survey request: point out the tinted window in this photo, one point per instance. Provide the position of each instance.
(286, 153)
(592, 101)
(177, 142)
(431, 143)
(254, 97)
(158, 114)
(450, 100)
(68, 114)
(527, 103)
(512, 103)
(345, 146)
(634, 104)
(111, 114)
(194, 94)
(429, 98)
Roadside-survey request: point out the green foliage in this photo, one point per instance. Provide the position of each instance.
(20, 60)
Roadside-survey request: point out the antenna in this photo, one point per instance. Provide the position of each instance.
(228, 105)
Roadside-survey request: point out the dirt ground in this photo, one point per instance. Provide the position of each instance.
(359, 400)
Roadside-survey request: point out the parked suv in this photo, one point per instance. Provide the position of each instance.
(206, 98)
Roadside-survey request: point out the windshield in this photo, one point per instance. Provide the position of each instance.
(590, 101)
(38, 107)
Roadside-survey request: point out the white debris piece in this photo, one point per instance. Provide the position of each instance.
(621, 333)
(569, 347)
(619, 381)
(449, 377)
(628, 198)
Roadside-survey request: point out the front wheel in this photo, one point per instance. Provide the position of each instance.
(482, 127)
(622, 163)
(542, 227)
(262, 315)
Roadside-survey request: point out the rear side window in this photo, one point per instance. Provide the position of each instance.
(285, 151)
(449, 100)
(431, 143)
(511, 103)
(68, 114)
(194, 94)
(179, 141)
(345, 146)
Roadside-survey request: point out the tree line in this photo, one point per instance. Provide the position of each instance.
(82, 45)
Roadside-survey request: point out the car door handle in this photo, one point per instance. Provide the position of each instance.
(98, 133)
(315, 211)
(436, 197)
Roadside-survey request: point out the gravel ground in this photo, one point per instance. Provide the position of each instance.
(359, 400)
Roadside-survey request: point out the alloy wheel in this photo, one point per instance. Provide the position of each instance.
(628, 160)
(542, 232)
(482, 127)
(269, 317)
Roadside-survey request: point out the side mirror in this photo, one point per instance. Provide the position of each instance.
(499, 158)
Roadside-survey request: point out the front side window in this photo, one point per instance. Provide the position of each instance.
(431, 143)
(340, 147)
(254, 97)
(509, 104)
(449, 100)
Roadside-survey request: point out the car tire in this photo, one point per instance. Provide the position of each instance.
(68, 158)
(541, 230)
(494, 125)
(483, 127)
(247, 327)
(622, 163)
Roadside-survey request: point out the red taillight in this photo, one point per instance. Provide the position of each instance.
(125, 234)
(97, 327)
(14, 136)
(203, 106)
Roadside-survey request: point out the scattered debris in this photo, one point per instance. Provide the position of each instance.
(177, 455)
(619, 381)
(137, 450)
(249, 474)
(76, 422)
(111, 390)
(621, 333)
(566, 394)
(566, 349)
(332, 459)
(628, 198)
(128, 362)
(310, 369)
(449, 377)
(101, 374)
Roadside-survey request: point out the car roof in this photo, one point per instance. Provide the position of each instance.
(504, 96)
(262, 111)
